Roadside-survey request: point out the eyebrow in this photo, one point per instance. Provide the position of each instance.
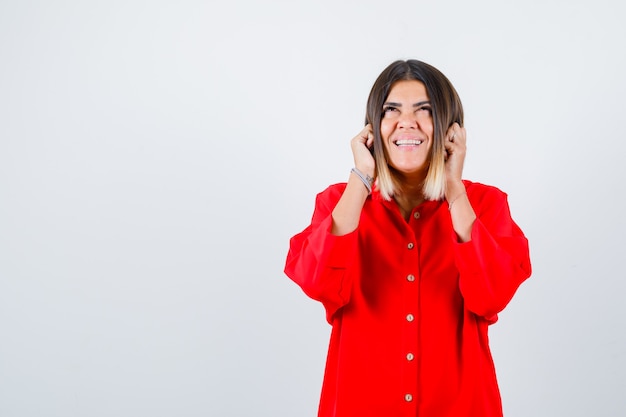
(418, 104)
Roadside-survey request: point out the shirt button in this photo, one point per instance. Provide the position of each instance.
(416, 215)
(410, 246)
(410, 356)
(410, 278)
(409, 317)
(408, 397)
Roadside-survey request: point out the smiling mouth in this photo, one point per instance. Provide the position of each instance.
(408, 142)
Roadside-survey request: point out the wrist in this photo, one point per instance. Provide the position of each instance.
(366, 179)
(456, 198)
(365, 170)
(453, 189)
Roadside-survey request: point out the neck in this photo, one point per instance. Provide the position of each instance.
(409, 193)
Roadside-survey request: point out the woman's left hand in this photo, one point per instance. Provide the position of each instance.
(455, 153)
(463, 215)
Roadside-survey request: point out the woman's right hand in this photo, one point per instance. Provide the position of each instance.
(347, 212)
(361, 145)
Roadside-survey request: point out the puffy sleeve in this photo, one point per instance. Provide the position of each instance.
(496, 260)
(318, 261)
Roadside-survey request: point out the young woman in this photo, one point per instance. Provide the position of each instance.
(411, 262)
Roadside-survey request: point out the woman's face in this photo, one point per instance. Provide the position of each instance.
(407, 127)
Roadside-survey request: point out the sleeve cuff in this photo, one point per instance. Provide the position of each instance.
(339, 250)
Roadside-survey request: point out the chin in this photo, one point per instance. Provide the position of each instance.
(410, 167)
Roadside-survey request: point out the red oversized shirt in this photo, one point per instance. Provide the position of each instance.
(409, 305)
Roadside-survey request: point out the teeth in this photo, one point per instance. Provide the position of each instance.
(409, 142)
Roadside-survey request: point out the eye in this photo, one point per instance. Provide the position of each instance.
(389, 110)
(426, 109)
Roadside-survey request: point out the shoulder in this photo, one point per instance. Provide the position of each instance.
(331, 194)
(480, 188)
(335, 188)
(480, 193)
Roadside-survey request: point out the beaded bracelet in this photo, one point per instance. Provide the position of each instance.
(367, 180)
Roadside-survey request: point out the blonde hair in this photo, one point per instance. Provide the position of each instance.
(446, 110)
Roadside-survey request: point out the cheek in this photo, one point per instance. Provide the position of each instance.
(385, 130)
(427, 126)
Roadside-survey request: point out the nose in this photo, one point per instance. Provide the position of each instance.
(407, 120)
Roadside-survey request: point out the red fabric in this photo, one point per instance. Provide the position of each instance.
(363, 280)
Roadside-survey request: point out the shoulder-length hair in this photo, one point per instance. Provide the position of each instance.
(446, 110)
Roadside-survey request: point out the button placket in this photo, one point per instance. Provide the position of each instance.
(408, 358)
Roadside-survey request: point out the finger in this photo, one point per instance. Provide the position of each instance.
(460, 138)
(462, 134)
(364, 134)
(370, 140)
(361, 137)
(451, 133)
(449, 147)
(456, 134)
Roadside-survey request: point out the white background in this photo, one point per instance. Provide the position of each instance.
(156, 157)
